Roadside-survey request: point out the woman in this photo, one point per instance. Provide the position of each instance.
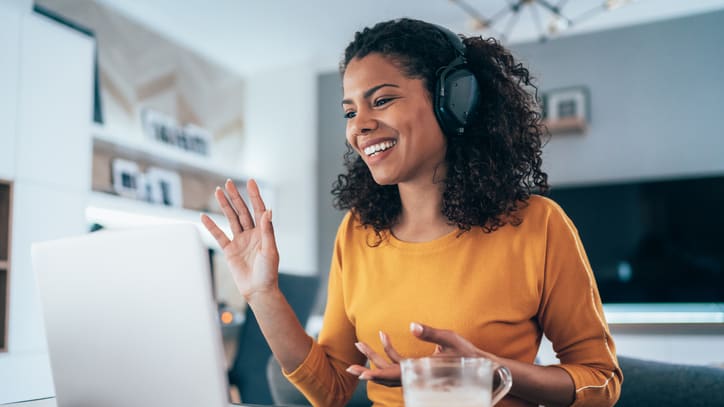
(445, 248)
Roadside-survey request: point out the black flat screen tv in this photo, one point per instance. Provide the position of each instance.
(652, 241)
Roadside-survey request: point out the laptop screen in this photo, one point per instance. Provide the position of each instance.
(130, 318)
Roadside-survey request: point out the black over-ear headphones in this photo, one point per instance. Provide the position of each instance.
(456, 90)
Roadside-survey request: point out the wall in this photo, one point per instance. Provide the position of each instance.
(280, 149)
(331, 146)
(656, 97)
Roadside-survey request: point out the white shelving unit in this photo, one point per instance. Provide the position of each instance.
(117, 212)
(164, 156)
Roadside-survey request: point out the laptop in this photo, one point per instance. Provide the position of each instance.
(130, 319)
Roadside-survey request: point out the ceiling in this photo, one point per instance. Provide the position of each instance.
(248, 36)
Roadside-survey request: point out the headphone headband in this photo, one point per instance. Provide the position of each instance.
(453, 39)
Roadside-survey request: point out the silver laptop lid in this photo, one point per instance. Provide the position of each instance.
(130, 319)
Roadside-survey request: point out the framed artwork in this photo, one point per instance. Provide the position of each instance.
(164, 129)
(127, 179)
(164, 187)
(158, 126)
(197, 139)
(566, 110)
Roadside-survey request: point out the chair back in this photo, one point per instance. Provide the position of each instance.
(248, 372)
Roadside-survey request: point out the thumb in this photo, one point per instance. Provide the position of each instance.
(268, 241)
(442, 337)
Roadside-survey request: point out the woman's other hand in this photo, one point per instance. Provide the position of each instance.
(387, 370)
(251, 252)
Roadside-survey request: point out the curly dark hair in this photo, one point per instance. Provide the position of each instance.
(493, 167)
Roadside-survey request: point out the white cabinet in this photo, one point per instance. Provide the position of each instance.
(10, 54)
(55, 105)
(39, 213)
(45, 124)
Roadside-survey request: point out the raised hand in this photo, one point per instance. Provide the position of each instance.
(251, 252)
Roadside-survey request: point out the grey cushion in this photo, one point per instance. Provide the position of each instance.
(284, 393)
(649, 383)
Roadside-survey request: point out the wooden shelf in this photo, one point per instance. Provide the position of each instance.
(568, 125)
(114, 212)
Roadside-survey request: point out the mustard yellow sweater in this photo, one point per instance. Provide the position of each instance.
(499, 290)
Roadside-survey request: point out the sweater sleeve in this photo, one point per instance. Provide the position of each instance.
(322, 377)
(572, 316)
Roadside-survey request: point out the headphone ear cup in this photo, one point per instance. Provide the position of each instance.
(456, 97)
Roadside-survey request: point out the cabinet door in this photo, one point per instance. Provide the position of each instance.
(39, 213)
(55, 109)
(10, 54)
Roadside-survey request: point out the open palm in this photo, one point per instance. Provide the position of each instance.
(251, 252)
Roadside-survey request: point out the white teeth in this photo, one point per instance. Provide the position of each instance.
(376, 148)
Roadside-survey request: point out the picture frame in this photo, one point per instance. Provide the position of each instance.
(197, 139)
(127, 179)
(567, 110)
(164, 187)
(162, 128)
(158, 126)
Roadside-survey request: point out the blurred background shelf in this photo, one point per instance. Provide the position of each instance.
(161, 155)
(115, 212)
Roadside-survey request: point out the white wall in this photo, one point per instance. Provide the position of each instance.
(16, 5)
(280, 148)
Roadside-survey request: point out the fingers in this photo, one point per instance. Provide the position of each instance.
(384, 373)
(389, 349)
(215, 231)
(441, 337)
(240, 206)
(268, 241)
(373, 356)
(448, 342)
(389, 376)
(229, 211)
(255, 197)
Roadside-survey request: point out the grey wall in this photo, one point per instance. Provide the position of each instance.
(330, 150)
(657, 98)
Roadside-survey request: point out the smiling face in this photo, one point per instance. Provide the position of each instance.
(390, 122)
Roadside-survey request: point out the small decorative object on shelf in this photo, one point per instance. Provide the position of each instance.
(566, 110)
(164, 187)
(127, 179)
(164, 129)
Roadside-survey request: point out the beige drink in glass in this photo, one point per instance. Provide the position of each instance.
(452, 381)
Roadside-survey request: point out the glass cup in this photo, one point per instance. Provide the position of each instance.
(453, 381)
